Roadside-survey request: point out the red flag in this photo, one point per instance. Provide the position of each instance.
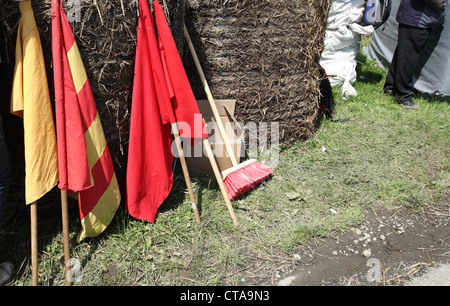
(149, 168)
(72, 160)
(183, 100)
(84, 160)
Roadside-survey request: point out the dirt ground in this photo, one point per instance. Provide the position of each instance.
(388, 248)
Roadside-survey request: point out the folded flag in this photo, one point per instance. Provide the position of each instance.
(85, 164)
(150, 159)
(183, 100)
(30, 100)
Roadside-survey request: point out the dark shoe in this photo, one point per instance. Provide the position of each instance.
(409, 104)
(388, 91)
(6, 272)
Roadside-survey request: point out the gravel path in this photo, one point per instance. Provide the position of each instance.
(437, 276)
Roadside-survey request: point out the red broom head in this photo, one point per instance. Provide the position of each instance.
(246, 179)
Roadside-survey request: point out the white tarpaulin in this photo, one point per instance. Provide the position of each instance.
(344, 29)
(432, 77)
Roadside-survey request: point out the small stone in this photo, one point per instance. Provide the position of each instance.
(367, 253)
(382, 237)
(292, 195)
(335, 253)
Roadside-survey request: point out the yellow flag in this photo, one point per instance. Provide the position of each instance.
(30, 100)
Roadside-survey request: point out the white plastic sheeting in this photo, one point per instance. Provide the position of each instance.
(344, 29)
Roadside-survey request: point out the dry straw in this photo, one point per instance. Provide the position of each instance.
(265, 55)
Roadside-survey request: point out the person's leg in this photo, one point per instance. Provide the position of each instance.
(389, 83)
(411, 42)
(4, 170)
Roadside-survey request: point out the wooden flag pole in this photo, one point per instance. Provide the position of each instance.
(65, 222)
(34, 243)
(187, 178)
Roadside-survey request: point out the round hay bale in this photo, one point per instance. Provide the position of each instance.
(264, 54)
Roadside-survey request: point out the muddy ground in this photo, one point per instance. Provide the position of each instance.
(389, 248)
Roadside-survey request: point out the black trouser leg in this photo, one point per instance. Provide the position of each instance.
(411, 42)
(389, 83)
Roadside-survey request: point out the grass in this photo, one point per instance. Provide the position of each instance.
(383, 157)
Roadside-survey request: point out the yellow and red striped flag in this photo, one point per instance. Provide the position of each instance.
(85, 164)
(30, 100)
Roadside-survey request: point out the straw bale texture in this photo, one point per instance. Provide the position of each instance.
(264, 54)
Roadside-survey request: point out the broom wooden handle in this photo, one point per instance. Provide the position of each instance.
(210, 98)
(216, 170)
